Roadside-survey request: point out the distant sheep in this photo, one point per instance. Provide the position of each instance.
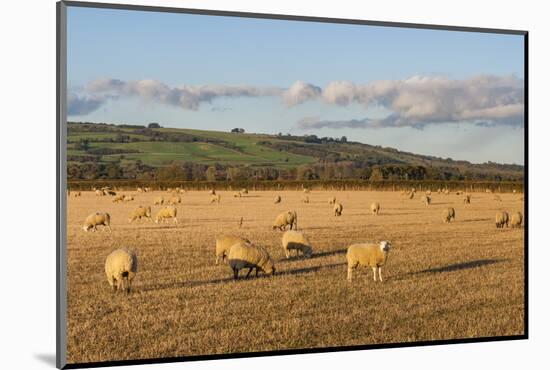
(338, 207)
(223, 245)
(428, 192)
(212, 192)
(331, 200)
(305, 199)
(128, 198)
(284, 219)
(244, 191)
(368, 255)
(497, 198)
(118, 198)
(246, 255)
(139, 190)
(375, 208)
(111, 193)
(426, 199)
(139, 213)
(516, 219)
(77, 194)
(410, 194)
(175, 200)
(466, 199)
(166, 213)
(99, 192)
(121, 268)
(296, 240)
(97, 219)
(237, 194)
(215, 198)
(277, 199)
(158, 201)
(501, 219)
(448, 214)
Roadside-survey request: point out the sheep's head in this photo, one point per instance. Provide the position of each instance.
(385, 246)
(86, 227)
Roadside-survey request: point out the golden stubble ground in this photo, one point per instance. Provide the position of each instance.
(442, 281)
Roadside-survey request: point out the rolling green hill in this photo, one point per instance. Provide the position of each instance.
(126, 151)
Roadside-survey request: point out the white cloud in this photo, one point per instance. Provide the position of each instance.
(300, 92)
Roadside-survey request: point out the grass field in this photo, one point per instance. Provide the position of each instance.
(442, 281)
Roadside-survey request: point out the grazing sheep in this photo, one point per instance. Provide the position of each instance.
(466, 199)
(224, 243)
(447, 192)
(128, 198)
(497, 198)
(516, 219)
(159, 201)
(121, 268)
(306, 190)
(439, 191)
(118, 198)
(139, 190)
(165, 213)
(448, 214)
(331, 200)
(175, 200)
(277, 199)
(305, 199)
(96, 219)
(244, 191)
(99, 192)
(375, 208)
(139, 213)
(215, 198)
(237, 194)
(410, 194)
(77, 194)
(212, 192)
(146, 190)
(488, 191)
(286, 218)
(368, 255)
(427, 200)
(247, 255)
(501, 219)
(111, 193)
(298, 241)
(338, 207)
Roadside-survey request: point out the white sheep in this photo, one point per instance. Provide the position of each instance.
(448, 214)
(338, 207)
(166, 213)
(159, 201)
(96, 219)
(296, 240)
(501, 219)
(128, 198)
(121, 268)
(331, 200)
(118, 198)
(237, 194)
(368, 255)
(286, 218)
(247, 255)
(215, 198)
(224, 243)
(467, 199)
(139, 213)
(277, 199)
(175, 200)
(375, 208)
(426, 199)
(516, 219)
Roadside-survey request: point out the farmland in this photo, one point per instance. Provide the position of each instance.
(463, 279)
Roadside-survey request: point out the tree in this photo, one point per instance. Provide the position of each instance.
(154, 125)
(343, 139)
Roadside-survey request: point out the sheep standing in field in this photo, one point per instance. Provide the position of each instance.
(426, 199)
(447, 192)
(118, 198)
(128, 198)
(305, 199)
(77, 194)
(96, 219)
(466, 199)
(488, 191)
(223, 245)
(237, 194)
(277, 199)
(111, 193)
(139, 190)
(175, 200)
(368, 255)
(410, 194)
(247, 255)
(296, 240)
(244, 191)
(338, 207)
(166, 213)
(158, 201)
(146, 190)
(501, 219)
(331, 200)
(516, 220)
(286, 218)
(139, 213)
(99, 192)
(306, 190)
(375, 208)
(215, 198)
(212, 192)
(121, 268)
(428, 192)
(448, 214)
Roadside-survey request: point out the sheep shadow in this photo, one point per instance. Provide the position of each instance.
(313, 256)
(476, 219)
(305, 270)
(461, 266)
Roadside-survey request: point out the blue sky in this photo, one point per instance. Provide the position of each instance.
(451, 94)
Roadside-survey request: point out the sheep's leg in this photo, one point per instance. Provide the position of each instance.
(287, 253)
(349, 273)
(249, 271)
(374, 272)
(380, 273)
(256, 272)
(235, 273)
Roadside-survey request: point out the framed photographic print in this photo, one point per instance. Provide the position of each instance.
(235, 184)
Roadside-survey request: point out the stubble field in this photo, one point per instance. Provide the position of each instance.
(441, 281)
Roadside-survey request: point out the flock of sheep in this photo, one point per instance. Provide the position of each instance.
(240, 253)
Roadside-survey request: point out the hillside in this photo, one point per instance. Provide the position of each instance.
(126, 151)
